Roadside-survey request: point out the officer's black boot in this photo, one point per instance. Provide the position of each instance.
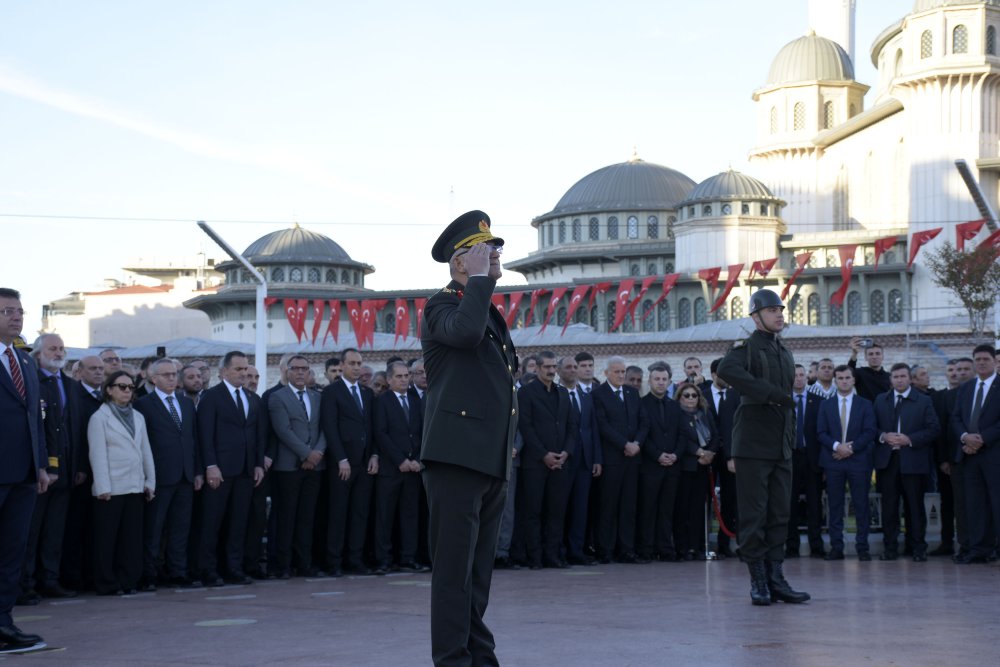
(781, 590)
(759, 593)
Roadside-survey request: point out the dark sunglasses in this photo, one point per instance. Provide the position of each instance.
(689, 395)
(123, 386)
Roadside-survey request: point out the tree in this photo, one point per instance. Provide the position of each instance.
(973, 276)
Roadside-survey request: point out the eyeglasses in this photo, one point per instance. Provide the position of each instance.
(7, 312)
(123, 387)
(298, 368)
(688, 394)
(109, 359)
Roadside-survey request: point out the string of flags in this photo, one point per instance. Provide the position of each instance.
(363, 313)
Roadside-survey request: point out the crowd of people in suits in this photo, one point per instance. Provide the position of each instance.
(163, 480)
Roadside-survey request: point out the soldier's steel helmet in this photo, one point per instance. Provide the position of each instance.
(764, 298)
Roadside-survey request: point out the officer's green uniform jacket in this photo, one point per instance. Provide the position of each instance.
(470, 412)
(762, 370)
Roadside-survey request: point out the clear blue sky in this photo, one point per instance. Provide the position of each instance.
(355, 119)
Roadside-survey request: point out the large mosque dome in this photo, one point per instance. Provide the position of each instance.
(295, 245)
(810, 58)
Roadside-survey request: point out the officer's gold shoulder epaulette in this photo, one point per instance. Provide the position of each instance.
(737, 345)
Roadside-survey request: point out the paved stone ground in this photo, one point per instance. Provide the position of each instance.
(898, 613)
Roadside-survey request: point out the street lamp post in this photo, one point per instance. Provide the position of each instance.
(260, 350)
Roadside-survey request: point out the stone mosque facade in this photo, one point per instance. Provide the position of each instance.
(834, 161)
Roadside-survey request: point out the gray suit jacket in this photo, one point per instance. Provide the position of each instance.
(297, 434)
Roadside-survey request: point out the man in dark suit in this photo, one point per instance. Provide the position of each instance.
(975, 421)
(549, 427)
(22, 449)
(231, 442)
(470, 421)
(398, 431)
(722, 403)
(585, 467)
(623, 425)
(77, 548)
(173, 438)
(43, 554)
(298, 450)
(807, 477)
(950, 474)
(846, 433)
(907, 428)
(659, 469)
(347, 417)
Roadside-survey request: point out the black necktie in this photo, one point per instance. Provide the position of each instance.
(800, 421)
(97, 394)
(977, 407)
(621, 398)
(357, 398)
(406, 406)
(302, 400)
(173, 411)
(239, 405)
(572, 399)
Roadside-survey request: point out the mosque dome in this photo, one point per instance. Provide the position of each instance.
(632, 185)
(728, 186)
(295, 245)
(810, 58)
(924, 5)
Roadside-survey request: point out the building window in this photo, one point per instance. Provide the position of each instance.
(670, 226)
(926, 44)
(813, 262)
(876, 307)
(774, 120)
(799, 116)
(763, 209)
(613, 228)
(345, 277)
(795, 309)
(721, 313)
(668, 267)
(991, 41)
(357, 277)
(736, 308)
(593, 318)
(832, 259)
(890, 257)
(633, 270)
(828, 115)
(960, 39)
(245, 276)
(836, 316)
(812, 309)
(651, 269)
(700, 311)
(653, 227)
(595, 229)
(551, 233)
(331, 275)
(706, 210)
(562, 231)
(611, 315)
(684, 313)
(277, 275)
(561, 317)
(577, 231)
(389, 322)
(633, 227)
(295, 275)
(690, 211)
(895, 306)
(854, 308)
(744, 209)
(663, 316)
(314, 275)
(581, 315)
(727, 209)
(648, 315)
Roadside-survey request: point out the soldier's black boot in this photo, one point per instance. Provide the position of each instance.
(759, 593)
(781, 590)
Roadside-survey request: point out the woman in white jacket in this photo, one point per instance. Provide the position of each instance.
(122, 464)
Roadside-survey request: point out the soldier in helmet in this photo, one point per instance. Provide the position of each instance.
(762, 370)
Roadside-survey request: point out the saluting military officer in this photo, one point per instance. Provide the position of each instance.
(469, 425)
(762, 370)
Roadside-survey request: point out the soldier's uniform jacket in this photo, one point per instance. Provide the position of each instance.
(762, 369)
(470, 362)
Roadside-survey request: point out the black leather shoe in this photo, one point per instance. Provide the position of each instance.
(505, 563)
(147, 585)
(29, 599)
(239, 579)
(919, 556)
(361, 570)
(668, 557)
(969, 559)
(558, 564)
(889, 555)
(413, 566)
(12, 637)
(336, 571)
(629, 558)
(183, 582)
(312, 573)
(212, 580)
(726, 552)
(580, 560)
(817, 553)
(258, 574)
(381, 570)
(54, 590)
(792, 553)
(943, 550)
(835, 554)
(864, 556)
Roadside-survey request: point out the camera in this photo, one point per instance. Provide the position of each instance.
(865, 342)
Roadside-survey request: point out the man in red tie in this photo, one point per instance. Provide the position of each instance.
(22, 450)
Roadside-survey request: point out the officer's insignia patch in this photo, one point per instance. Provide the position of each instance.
(737, 345)
(483, 227)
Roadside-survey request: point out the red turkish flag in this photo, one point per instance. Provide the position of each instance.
(370, 309)
(598, 288)
(354, 314)
(419, 305)
(846, 269)
(498, 303)
(711, 276)
(402, 320)
(732, 275)
(575, 300)
(624, 296)
(534, 302)
(668, 284)
(317, 318)
(883, 246)
(643, 288)
(918, 240)
(557, 294)
(515, 302)
(292, 315)
(966, 231)
(333, 327)
(269, 301)
(800, 261)
(761, 267)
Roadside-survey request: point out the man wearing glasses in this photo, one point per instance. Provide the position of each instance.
(22, 450)
(471, 418)
(112, 362)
